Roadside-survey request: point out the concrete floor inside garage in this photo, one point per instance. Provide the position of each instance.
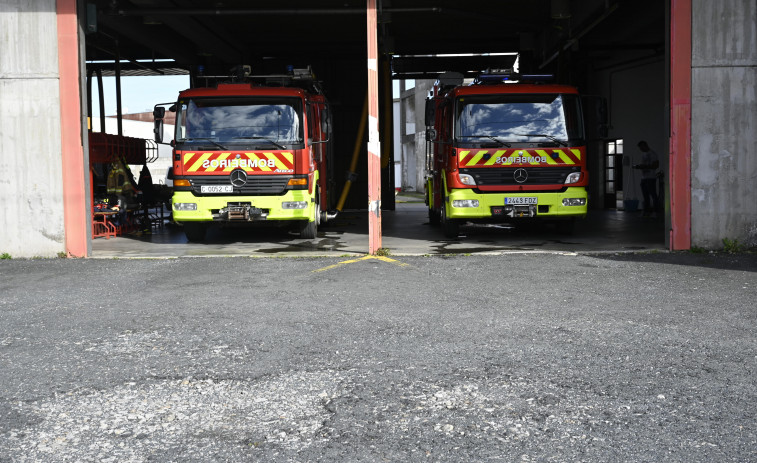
(405, 231)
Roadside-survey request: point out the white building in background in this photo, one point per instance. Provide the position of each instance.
(410, 134)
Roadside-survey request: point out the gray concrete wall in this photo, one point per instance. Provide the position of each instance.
(724, 122)
(31, 185)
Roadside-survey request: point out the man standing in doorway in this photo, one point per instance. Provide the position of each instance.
(650, 162)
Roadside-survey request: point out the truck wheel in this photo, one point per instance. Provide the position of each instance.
(433, 217)
(450, 227)
(195, 232)
(309, 229)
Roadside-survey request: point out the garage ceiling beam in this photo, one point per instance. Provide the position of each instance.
(598, 18)
(430, 66)
(286, 11)
(196, 32)
(147, 37)
(462, 46)
(451, 12)
(131, 68)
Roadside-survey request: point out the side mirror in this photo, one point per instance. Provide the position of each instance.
(158, 130)
(326, 129)
(430, 112)
(158, 113)
(431, 134)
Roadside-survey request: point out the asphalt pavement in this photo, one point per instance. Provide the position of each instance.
(627, 357)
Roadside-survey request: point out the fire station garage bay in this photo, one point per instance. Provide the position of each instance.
(395, 140)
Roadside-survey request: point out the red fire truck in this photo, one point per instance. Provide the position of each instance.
(252, 152)
(500, 151)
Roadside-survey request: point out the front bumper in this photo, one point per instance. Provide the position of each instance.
(208, 207)
(548, 205)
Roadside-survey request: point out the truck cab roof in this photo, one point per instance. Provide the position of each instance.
(245, 89)
(511, 88)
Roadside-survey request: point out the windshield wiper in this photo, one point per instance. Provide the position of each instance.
(490, 137)
(206, 139)
(556, 140)
(281, 147)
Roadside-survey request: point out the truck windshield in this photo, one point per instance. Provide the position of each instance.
(515, 118)
(240, 121)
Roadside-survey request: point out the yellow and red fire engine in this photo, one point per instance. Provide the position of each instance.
(252, 152)
(500, 151)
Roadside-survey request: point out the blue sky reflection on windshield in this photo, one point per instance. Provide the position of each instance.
(511, 117)
(229, 121)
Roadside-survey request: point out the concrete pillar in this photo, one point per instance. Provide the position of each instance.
(31, 187)
(724, 122)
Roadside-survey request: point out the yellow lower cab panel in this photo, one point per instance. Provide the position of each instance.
(271, 205)
(547, 205)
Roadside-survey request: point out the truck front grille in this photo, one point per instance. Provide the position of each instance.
(505, 176)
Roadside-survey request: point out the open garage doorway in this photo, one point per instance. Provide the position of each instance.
(594, 46)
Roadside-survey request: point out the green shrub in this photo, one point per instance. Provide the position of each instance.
(731, 246)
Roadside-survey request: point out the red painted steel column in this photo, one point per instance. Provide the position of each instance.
(374, 144)
(680, 124)
(74, 200)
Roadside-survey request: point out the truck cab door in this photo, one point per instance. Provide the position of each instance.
(441, 151)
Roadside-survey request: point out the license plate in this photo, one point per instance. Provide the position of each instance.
(520, 201)
(216, 189)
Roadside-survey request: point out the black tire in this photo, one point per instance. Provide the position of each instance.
(309, 229)
(450, 227)
(433, 217)
(195, 232)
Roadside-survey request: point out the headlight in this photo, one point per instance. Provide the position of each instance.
(573, 177)
(185, 206)
(464, 202)
(466, 179)
(574, 201)
(294, 205)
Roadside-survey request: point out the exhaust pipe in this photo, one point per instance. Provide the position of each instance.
(326, 216)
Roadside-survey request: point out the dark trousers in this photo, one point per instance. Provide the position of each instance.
(649, 191)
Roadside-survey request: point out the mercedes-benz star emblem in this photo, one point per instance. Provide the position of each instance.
(238, 178)
(520, 175)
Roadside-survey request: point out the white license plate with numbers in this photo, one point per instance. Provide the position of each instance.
(216, 189)
(521, 201)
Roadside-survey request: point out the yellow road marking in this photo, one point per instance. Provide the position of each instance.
(352, 261)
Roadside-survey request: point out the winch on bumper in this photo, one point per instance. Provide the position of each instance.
(240, 212)
(514, 210)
